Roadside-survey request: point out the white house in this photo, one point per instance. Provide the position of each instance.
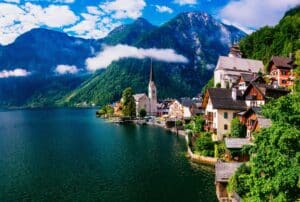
(229, 69)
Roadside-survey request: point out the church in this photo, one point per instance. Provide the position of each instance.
(149, 103)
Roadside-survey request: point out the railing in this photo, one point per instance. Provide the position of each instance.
(209, 117)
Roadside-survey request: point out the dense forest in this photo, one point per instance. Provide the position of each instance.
(282, 39)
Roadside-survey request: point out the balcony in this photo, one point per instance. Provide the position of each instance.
(209, 117)
(210, 128)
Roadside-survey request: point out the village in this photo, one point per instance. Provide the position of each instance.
(219, 124)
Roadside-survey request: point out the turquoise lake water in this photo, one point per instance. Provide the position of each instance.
(70, 155)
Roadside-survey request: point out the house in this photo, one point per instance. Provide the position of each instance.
(257, 94)
(281, 71)
(229, 69)
(245, 80)
(141, 102)
(148, 103)
(253, 120)
(176, 110)
(234, 149)
(117, 109)
(223, 173)
(163, 107)
(220, 107)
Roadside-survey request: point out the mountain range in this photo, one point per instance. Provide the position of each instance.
(195, 35)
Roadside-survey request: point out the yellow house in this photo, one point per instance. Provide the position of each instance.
(221, 106)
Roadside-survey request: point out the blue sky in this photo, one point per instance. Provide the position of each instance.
(95, 18)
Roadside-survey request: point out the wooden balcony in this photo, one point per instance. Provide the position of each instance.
(210, 128)
(209, 117)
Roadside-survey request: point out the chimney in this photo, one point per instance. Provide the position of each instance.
(234, 93)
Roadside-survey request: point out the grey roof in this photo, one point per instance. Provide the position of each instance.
(264, 122)
(187, 102)
(248, 77)
(221, 98)
(137, 97)
(236, 143)
(240, 64)
(225, 170)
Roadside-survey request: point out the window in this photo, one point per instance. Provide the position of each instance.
(214, 114)
(283, 81)
(225, 127)
(225, 115)
(283, 73)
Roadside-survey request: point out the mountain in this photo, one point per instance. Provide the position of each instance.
(129, 34)
(196, 35)
(41, 50)
(282, 39)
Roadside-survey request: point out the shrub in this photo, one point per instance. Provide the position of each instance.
(204, 144)
(237, 128)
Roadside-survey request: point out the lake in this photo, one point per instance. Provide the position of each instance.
(70, 155)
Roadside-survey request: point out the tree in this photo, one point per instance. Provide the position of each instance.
(142, 113)
(204, 144)
(237, 128)
(128, 103)
(274, 170)
(210, 84)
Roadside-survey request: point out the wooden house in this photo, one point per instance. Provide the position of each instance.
(281, 71)
(253, 120)
(234, 148)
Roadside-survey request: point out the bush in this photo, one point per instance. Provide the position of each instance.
(237, 128)
(220, 150)
(204, 144)
(142, 113)
(179, 123)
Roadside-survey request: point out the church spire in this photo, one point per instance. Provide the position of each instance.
(151, 78)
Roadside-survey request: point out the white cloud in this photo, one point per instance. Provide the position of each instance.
(163, 9)
(121, 9)
(244, 29)
(256, 13)
(66, 69)
(115, 53)
(14, 73)
(185, 2)
(16, 20)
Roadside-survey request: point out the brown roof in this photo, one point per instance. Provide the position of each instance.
(225, 170)
(283, 62)
(221, 98)
(268, 91)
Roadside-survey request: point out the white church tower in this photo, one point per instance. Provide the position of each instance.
(152, 93)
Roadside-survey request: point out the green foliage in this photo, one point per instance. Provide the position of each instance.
(209, 84)
(220, 149)
(279, 40)
(285, 109)
(218, 85)
(179, 123)
(196, 124)
(129, 108)
(142, 113)
(106, 110)
(241, 176)
(204, 144)
(237, 128)
(274, 165)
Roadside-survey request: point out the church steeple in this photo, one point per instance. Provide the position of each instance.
(152, 92)
(151, 78)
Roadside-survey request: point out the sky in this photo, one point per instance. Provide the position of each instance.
(96, 18)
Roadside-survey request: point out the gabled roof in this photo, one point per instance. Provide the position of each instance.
(248, 77)
(267, 91)
(225, 170)
(282, 62)
(221, 98)
(139, 96)
(236, 143)
(239, 64)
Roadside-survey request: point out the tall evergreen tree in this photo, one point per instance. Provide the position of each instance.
(129, 108)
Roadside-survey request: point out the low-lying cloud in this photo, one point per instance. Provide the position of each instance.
(14, 73)
(66, 69)
(115, 53)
